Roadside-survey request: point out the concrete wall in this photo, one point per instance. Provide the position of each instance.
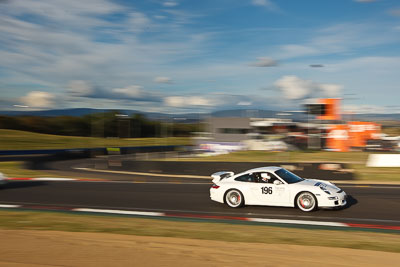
(216, 125)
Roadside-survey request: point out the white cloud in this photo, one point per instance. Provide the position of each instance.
(244, 103)
(187, 101)
(294, 88)
(170, 4)
(162, 79)
(266, 3)
(138, 22)
(340, 38)
(38, 99)
(133, 91)
(79, 88)
(264, 62)
(330, 90)
(74, 12)
(82, 44)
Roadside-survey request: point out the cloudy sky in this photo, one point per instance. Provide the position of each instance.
(199, 56)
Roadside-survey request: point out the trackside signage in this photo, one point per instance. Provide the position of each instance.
(342, 137)
(383, 160)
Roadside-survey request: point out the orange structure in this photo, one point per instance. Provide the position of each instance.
(331, 109)
(342, 137)
(337, 138)
(361, 131)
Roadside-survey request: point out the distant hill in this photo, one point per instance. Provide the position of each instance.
(376, 117)
(77, 112)
(194, 117)
(54, 112)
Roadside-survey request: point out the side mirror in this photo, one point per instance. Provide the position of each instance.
(277, 182)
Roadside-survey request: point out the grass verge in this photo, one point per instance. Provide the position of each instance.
(15, 140)
(290, 156)
(17, 169)
(38, 220)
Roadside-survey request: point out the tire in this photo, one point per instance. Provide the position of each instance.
(234, 198)
(306, 201)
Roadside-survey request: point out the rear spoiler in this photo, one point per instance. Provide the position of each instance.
(218, 176)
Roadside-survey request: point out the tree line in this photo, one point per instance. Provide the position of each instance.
(107, 124)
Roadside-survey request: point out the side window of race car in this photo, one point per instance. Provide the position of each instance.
(245, 178)
(271, 180)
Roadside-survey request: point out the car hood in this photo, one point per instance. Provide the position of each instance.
(324, 185)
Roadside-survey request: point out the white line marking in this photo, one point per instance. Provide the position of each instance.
(146, 174)
(261, 220)
(53, 179)
(370, 186)
(226, 213)
(125, 212)
(144, 182)
(9, 206)
(172, 182)
(298, 222)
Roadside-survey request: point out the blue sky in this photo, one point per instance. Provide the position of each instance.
(199, 56)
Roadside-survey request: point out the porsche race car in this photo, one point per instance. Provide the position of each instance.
(274, 186)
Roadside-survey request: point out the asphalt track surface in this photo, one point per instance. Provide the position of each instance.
(367, 205)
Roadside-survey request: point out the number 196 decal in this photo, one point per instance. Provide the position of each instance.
(266, 190)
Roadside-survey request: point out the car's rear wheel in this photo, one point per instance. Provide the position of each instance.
(234, 198)
(306, 201)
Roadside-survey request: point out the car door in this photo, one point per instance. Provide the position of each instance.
(270, 193)
(281, 194)
(262, 191)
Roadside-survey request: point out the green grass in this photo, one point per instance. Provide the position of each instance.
(28, 220)
(376, 174)
(20, 140)
(291, 156)
(17, 169)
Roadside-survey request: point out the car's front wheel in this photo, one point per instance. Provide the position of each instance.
(306, 201)
(234, 198)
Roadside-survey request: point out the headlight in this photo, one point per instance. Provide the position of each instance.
(332, 198)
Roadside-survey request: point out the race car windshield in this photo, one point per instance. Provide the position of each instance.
(289, 177)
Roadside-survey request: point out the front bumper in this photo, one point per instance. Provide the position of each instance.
(333, 201)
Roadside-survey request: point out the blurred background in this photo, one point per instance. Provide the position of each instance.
(209, 77)
(149, 98)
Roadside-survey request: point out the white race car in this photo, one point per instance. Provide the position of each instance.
(274, 186)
